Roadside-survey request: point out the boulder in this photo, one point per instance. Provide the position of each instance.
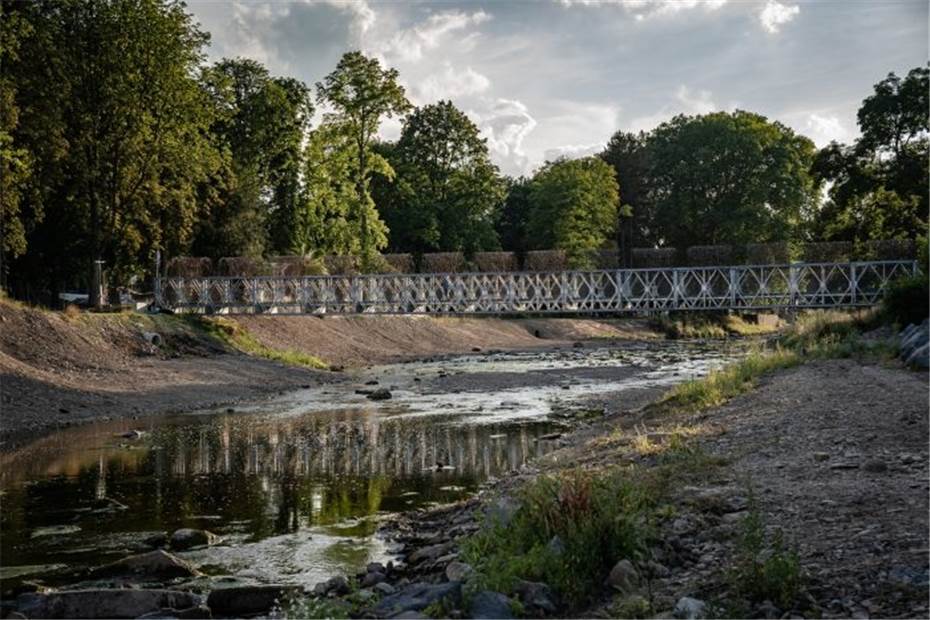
(384, 588)
(103, 603)
(156, 564)
(337, 585)
(156, 540)
(430, 552)
(536, 597)
(500, 512)
(489, 605)
(380, 394)
(919, 357)
(251, 599)
(201, 611)
(371, 579)
(419, 596)
(458, 571)
(688, 608)
(186, 538)
(623, 577)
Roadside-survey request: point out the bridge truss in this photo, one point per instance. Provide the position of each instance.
(742, 287)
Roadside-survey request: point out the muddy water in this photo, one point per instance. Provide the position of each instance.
(296, 486)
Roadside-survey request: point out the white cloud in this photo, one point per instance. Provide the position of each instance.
(775, 14)
(449, 83)
(410, 44)
(506, 123)
(686, 101)
(698, 102)
(825, 129)
(642, 9)
(573, 151)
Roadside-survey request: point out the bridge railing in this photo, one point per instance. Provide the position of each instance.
(740, 287)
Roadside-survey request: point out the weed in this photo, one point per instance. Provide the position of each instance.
(311, 607)
(763, 569)
(631, 607)
(236, 336)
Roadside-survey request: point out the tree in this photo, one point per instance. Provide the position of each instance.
(361, 94)
(728, 178)
(115, 125)
(260, 122)
(574, 207)
(627, 153)
(514, 216)
(879, 185)
(448, 188)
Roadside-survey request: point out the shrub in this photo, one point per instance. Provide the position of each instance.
(568, 531)
(907, 300)
(765, 569)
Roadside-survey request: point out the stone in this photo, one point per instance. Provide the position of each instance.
(380, 394)
(919, 357)
(251, 599)
(430, 552)
(489, 605)
(535, 596)
(156, 540)
(821, 456)
(419, 596)
(384, 588)
(103, 603)
(186, 538)
(375, 567)
(556, 546)
(371, 579)
(337, 585)
(201, 611)
(578, 345)
(623, 577)
(155, 564)
(688, 608)
(875, 466)
(458, 571)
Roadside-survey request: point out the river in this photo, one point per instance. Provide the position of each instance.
(296, 486)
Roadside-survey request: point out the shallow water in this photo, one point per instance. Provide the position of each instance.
(296, 486)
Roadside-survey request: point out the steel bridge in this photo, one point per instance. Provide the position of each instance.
(615, 291)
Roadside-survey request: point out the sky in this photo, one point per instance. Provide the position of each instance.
(550, 78)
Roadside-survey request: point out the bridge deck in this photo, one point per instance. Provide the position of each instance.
(738, 287)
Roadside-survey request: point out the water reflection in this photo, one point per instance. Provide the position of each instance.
(248, 477)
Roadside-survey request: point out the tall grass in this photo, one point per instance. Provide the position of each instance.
(236, 336)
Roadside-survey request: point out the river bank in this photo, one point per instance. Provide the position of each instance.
(58, 369)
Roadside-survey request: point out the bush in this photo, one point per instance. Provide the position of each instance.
(765, 569)
(568, 531)
(907, 300)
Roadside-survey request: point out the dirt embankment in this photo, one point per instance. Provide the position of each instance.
(58, 369)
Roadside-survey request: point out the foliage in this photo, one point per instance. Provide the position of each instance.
(361, 94)
(236, 336)
(728, 178)
(573, 207)
(568, 531)
(907, 300)
(448, 188)
(765, 569)
(514, 216)
(879, 185)
(628, 154)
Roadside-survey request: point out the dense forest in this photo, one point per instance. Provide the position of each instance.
(119, 139)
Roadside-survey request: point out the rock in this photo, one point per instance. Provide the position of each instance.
(766, 609)
(476, 349)
(375, 567)
(371, 579)
(419, 596)
(337, 585)
(372, 382)
(578, 345)
(555, 546)
(201, 611)
(875, 466)
(157, 540)
(623, 577)
(410, 615)
(488, 604)
(186, 538)
(430, 552)
(821, 456)
(458, 571)
(919, 357)
(384, 588)
(102, 603)
(688, 608)
(252, 599)
(380, 394)
(156, 564)
(536, 597)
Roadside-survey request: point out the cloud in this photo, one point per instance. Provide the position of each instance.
(699, 102)
(686, 101)
(825, 129)
(641, 9)
(775, 14)
(572, 151)
(506, 123)
(449, 83)
(410, 44)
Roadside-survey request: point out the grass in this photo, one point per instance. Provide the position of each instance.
(709, 326)
(232, 334)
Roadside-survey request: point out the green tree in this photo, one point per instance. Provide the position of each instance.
(260, 122)
(360, 94)
(879, 185)
(514, 216)
(728, 178)
(627, 153)
(574, 207)
(115, 125)
(449, 190)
